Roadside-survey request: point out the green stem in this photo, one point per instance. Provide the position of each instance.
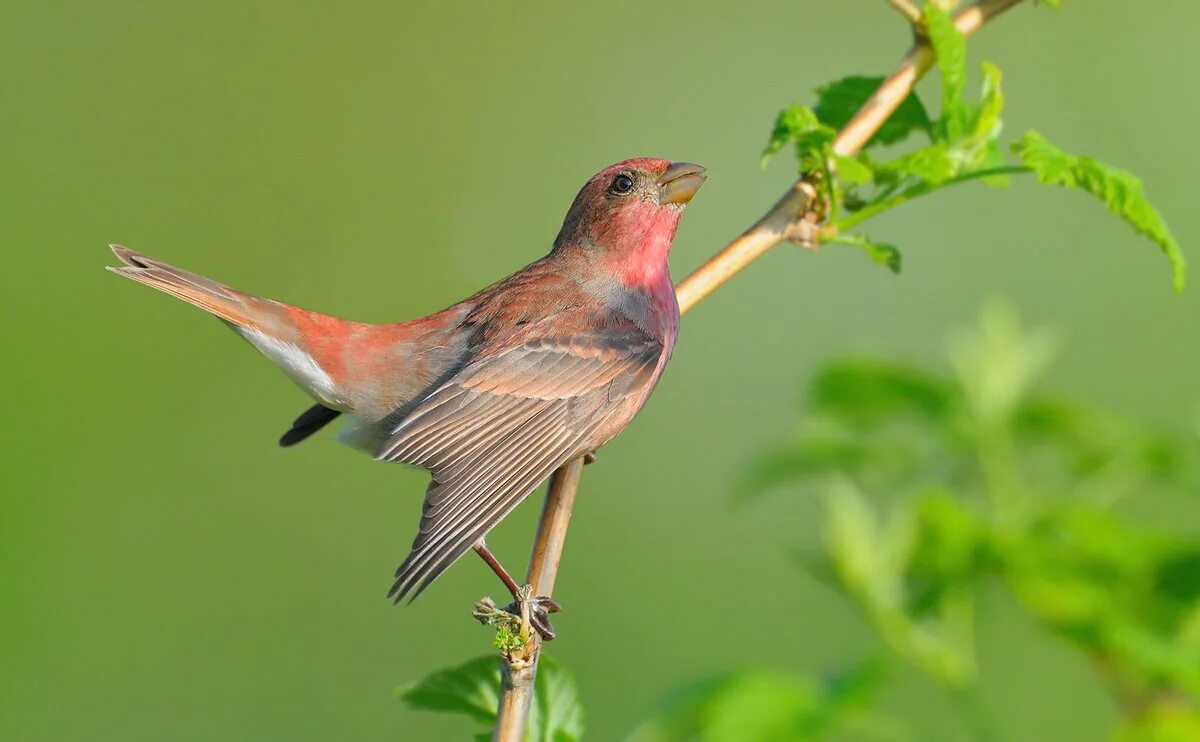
(921, 189)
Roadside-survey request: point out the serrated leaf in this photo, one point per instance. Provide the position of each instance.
(800, 126)
(557, 714)
(933, 163)
(472, 689)
(950, 48)
(1120, 191)
(838, 101)
(853, 170)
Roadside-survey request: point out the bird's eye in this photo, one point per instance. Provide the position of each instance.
(622, 183)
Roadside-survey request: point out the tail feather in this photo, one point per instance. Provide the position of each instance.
(231, 305)
(284, 334)
(312, 420)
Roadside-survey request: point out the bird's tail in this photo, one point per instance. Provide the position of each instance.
(294, 338)
(233, 306)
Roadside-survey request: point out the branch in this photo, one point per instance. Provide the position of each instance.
(519, 669)
(793, 218)
(908, 10)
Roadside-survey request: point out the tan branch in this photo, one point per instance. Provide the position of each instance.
(519, 669)
(905, 7)
(791, 219)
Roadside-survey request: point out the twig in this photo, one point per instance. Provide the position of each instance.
(519, 669)
(908, 10)
(791, 219)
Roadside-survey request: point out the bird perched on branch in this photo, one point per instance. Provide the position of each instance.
(494, 393)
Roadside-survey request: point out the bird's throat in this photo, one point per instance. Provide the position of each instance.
(645, 265)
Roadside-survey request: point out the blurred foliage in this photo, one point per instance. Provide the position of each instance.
(768, 705)
(963, 145)
(936, 486)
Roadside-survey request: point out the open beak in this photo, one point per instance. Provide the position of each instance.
(680, 182)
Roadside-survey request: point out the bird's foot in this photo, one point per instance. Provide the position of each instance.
(535, 611)
(589, 458)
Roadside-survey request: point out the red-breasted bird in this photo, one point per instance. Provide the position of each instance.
(494, 393)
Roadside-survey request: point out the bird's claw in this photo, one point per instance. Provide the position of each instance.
(540, 609)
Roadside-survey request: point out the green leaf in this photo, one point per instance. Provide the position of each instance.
(974, 147)
(871, 557)
(868, 551)
(934, 163)
(1120, 191)
(557, 714)
(999, 362)
(807, 459)
(871, 392)
(950, 553)
(472, 689)
(800, 126)
(762, 705)
(950, 47)
(985, 125)
(980, 147)
(879, 252)
(991, 157)
(838, 101)
(853, 170)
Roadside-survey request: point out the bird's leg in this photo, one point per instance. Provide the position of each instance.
(589, 458)
(487, 556)
(540, 607)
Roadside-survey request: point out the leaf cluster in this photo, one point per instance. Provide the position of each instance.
(961, 145)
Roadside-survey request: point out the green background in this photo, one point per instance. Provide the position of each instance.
(169, 573)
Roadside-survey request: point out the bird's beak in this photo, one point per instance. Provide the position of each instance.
(680, 182)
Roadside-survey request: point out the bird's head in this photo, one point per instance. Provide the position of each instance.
(629, 212)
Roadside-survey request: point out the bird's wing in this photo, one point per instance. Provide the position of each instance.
(502, 425)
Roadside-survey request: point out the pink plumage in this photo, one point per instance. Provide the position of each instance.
(495, 392)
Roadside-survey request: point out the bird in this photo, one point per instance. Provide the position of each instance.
(495, 392)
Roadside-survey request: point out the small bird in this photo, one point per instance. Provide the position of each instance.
(494, 393)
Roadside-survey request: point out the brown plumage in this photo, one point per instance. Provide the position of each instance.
(493, 393)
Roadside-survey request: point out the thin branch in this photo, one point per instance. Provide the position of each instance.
(791, 219)
(908, 10)
(519, 669)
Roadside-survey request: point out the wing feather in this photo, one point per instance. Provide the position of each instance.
(498, 428)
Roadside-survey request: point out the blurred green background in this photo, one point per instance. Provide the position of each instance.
(169, 573)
